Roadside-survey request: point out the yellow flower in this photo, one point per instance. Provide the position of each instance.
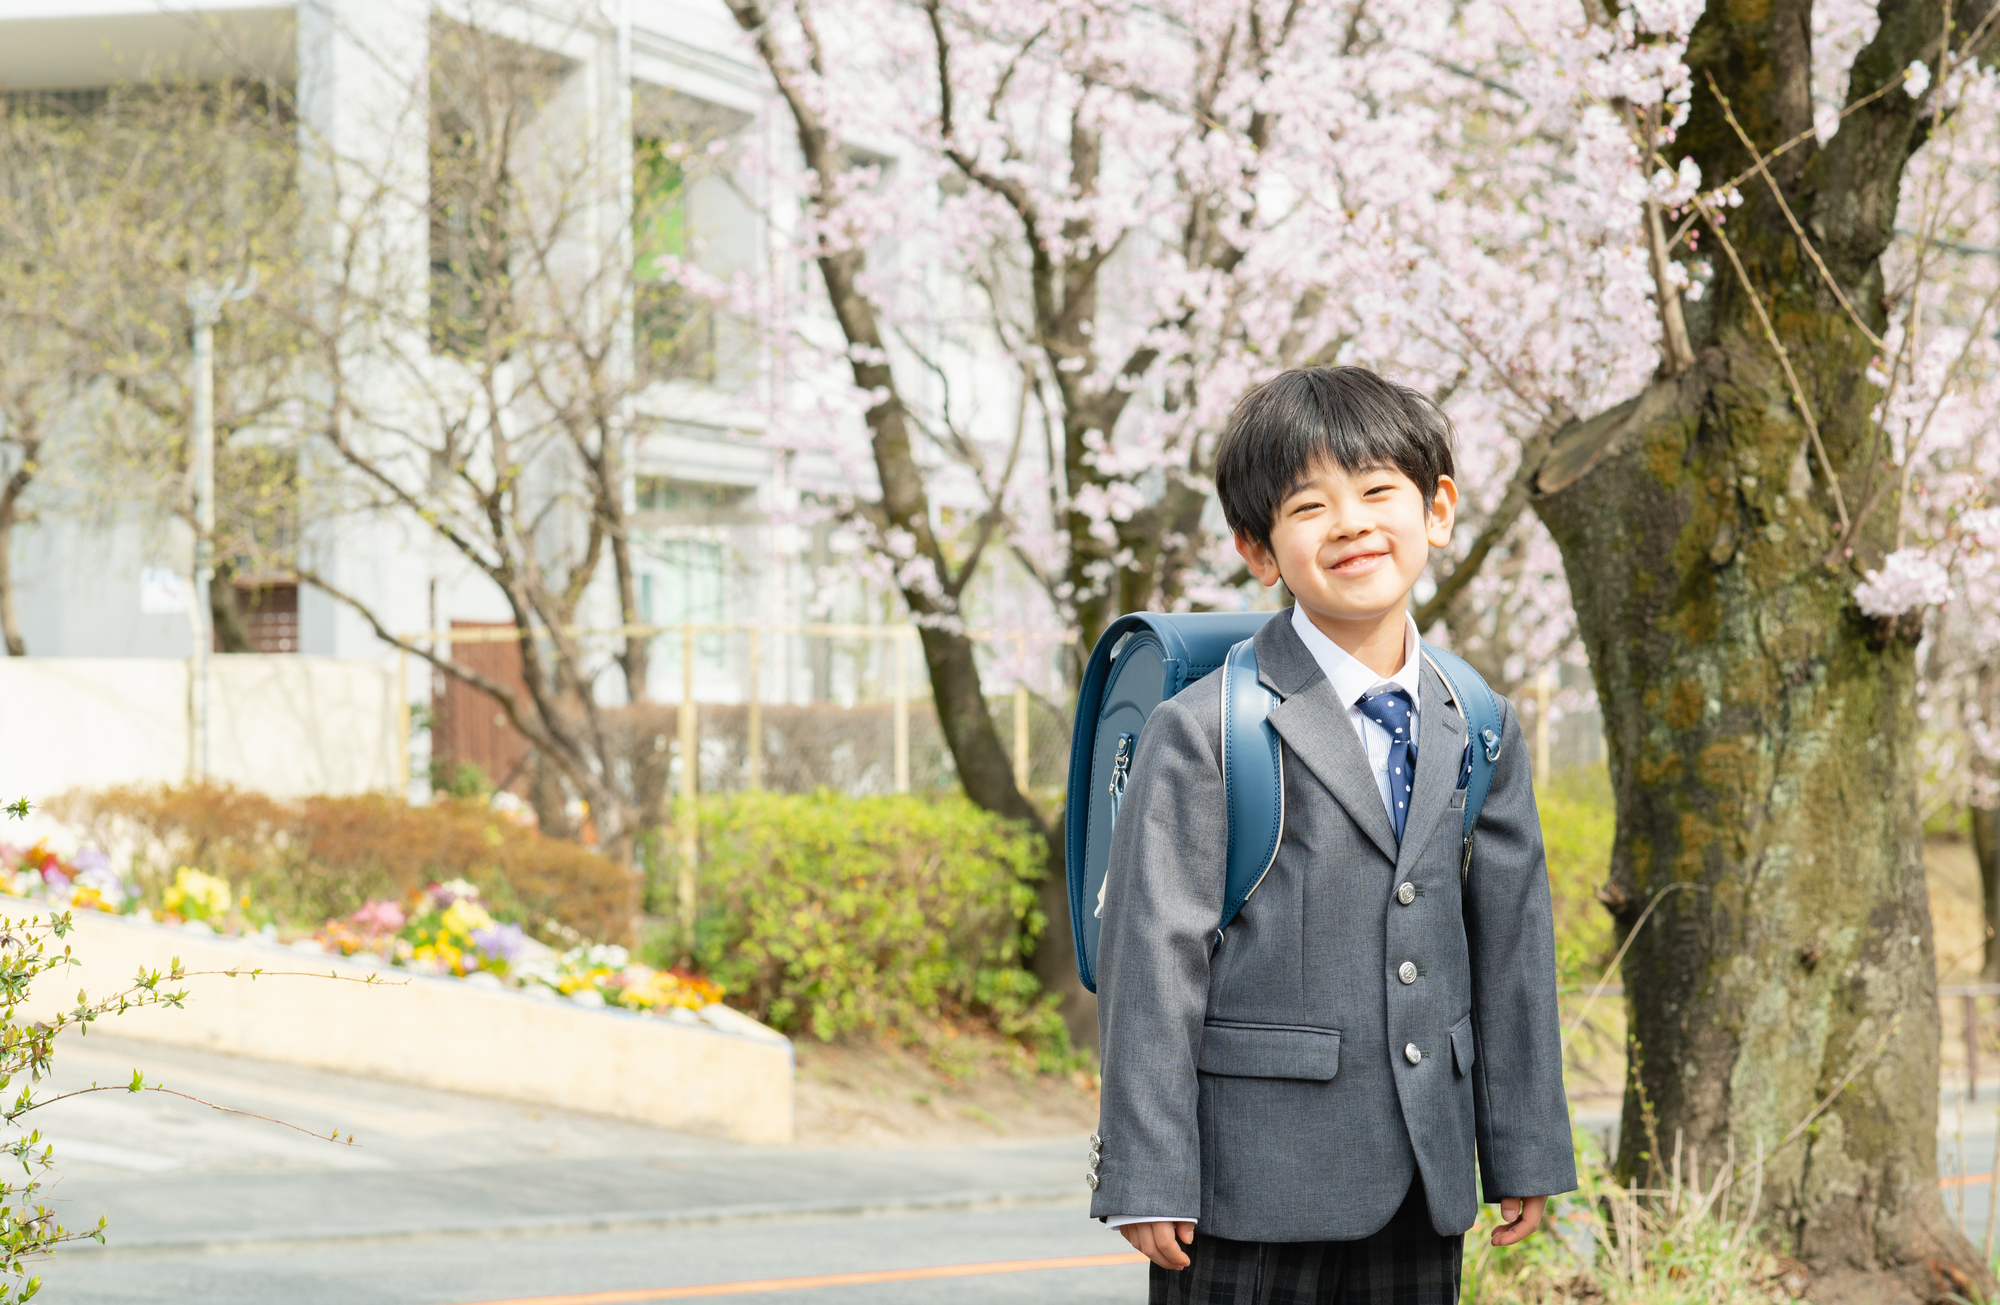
(664, 988)
(197, 896)
(462, 917)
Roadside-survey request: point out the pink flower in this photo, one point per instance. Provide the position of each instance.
(1908, 580)
(377, 917)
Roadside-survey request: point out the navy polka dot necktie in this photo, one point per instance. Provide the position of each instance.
(1391, 709)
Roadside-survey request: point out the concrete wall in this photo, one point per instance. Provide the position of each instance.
(282, 725)
(726, 1076)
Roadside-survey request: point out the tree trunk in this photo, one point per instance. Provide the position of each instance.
(1761, 729)
(30, 446)
(1986, 851)
(987, 774)
(10, 623)
(1985, 822)
(225, 609)
(1762, 740)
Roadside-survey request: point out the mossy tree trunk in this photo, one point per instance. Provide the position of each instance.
(1761, 729)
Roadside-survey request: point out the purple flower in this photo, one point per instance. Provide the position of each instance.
(502, 942)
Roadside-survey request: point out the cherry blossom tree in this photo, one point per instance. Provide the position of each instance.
(1702, 290)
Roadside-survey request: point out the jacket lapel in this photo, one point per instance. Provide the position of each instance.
(1440, 752)
(1313, 723)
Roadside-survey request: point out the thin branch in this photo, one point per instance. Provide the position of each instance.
(543, 739)
(1853, 1073)
(1778, 193)
(333, 1137)
(1687, 223)
(1604, 981)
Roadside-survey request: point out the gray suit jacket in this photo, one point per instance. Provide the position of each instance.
(1266, 1080)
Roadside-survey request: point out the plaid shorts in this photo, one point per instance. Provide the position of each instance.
(1406, 1263)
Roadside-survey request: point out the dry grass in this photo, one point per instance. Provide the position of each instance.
(1691, 1238)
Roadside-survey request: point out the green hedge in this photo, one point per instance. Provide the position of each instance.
(827, 914)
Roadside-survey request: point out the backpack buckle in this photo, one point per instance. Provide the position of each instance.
(1121, 771)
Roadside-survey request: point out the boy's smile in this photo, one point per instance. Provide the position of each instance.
(1350, 546)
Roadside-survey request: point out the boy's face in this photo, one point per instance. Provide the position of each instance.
(1351, 545)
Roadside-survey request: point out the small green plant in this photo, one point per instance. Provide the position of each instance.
(30, 1230)
(459, 779)
(1689, 1239)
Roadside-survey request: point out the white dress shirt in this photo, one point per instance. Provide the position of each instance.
(1351, 682)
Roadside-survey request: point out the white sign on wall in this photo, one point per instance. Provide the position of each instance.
(162, 592)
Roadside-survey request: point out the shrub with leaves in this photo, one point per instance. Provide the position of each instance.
(828, 915)
(322, 858)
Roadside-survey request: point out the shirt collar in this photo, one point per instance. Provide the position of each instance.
(1350, 679)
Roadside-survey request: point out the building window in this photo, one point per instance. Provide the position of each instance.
(674, 331)
(686, 587)
(690, 497)
(270, 616)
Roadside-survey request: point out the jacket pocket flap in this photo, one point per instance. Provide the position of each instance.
(1463, 1053)
(1269, 1051)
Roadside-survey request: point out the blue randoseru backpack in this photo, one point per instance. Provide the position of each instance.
(1147, 657)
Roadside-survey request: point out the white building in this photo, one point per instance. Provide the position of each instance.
(718, 531)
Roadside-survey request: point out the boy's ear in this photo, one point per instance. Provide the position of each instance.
(1444, 511)
(1259, 559)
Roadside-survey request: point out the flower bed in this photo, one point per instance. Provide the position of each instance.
(446, 929)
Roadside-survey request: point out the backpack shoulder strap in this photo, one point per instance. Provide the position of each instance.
(1253, 779)
(1481, 711)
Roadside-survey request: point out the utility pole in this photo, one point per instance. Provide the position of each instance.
(205, 307)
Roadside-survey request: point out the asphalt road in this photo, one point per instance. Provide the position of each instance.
(457, 1200)
(450, 1199)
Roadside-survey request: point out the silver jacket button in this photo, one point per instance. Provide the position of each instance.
(1406, 892)
(1092, 1180)
(1407, 971)
(1412, 1054)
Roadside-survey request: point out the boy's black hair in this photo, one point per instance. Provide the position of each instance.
(1301, 419)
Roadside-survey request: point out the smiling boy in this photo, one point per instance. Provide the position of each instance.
(1290, 1109)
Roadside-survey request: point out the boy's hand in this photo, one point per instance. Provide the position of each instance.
(1523, 1215)
(1157, 1242)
